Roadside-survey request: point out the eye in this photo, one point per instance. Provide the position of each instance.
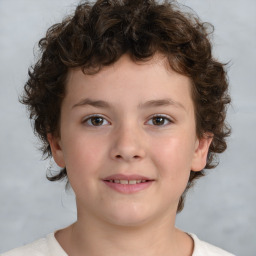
(95, 120)
(160, 120)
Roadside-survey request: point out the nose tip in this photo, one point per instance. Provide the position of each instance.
(128, 153)
(127, 146)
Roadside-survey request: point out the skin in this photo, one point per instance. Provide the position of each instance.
(128, 140)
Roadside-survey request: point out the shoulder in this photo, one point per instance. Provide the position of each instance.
(36, 248)
(202, 248)
(47, 246)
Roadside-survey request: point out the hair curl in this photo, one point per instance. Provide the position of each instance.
(98, 34)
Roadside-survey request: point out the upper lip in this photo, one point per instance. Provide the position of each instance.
(127, 177)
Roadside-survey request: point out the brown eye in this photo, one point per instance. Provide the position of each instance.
(159, 120)
(95, 121)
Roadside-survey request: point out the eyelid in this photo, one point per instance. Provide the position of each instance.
(164, 116)
(93, 115)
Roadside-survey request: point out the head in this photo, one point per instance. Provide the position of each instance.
(99, 35)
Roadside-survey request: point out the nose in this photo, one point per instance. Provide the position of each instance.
(127, 145)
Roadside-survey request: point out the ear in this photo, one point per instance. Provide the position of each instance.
(57, 153)
(201, 151)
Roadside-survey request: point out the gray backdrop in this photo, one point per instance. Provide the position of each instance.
(220, 209)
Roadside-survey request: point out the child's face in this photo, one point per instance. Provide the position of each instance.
(125, 139)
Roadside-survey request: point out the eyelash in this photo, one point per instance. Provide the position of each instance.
(154, 116)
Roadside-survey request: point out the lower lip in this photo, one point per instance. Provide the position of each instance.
(128, 188)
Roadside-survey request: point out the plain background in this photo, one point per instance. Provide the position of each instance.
(220, 209)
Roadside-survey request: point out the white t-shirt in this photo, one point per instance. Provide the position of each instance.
(49, 246)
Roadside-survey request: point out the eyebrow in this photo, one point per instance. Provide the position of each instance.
(147, 104)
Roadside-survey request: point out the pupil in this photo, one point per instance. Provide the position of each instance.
(158, 120)
(97, 121)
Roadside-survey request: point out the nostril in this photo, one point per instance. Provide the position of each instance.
(132, 157)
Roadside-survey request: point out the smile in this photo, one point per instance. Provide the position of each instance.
(127, 184)
(130, 182)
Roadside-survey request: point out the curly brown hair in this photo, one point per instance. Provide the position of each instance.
(98, 34)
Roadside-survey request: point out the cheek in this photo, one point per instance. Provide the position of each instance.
(172, 159)
(173, 156)
(83, 162)
(82, 157)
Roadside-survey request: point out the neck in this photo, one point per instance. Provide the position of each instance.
(88, 236)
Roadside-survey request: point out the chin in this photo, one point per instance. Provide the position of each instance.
(129, 217)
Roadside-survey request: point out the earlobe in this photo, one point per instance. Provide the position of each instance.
(56, 149)
(201, 152)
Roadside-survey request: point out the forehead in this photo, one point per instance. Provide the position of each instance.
(126, 80)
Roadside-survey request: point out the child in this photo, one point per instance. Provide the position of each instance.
(130, 103)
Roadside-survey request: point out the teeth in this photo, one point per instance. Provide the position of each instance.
(124, 181)
(131, 182)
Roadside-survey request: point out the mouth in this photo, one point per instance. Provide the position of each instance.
(128, 184)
